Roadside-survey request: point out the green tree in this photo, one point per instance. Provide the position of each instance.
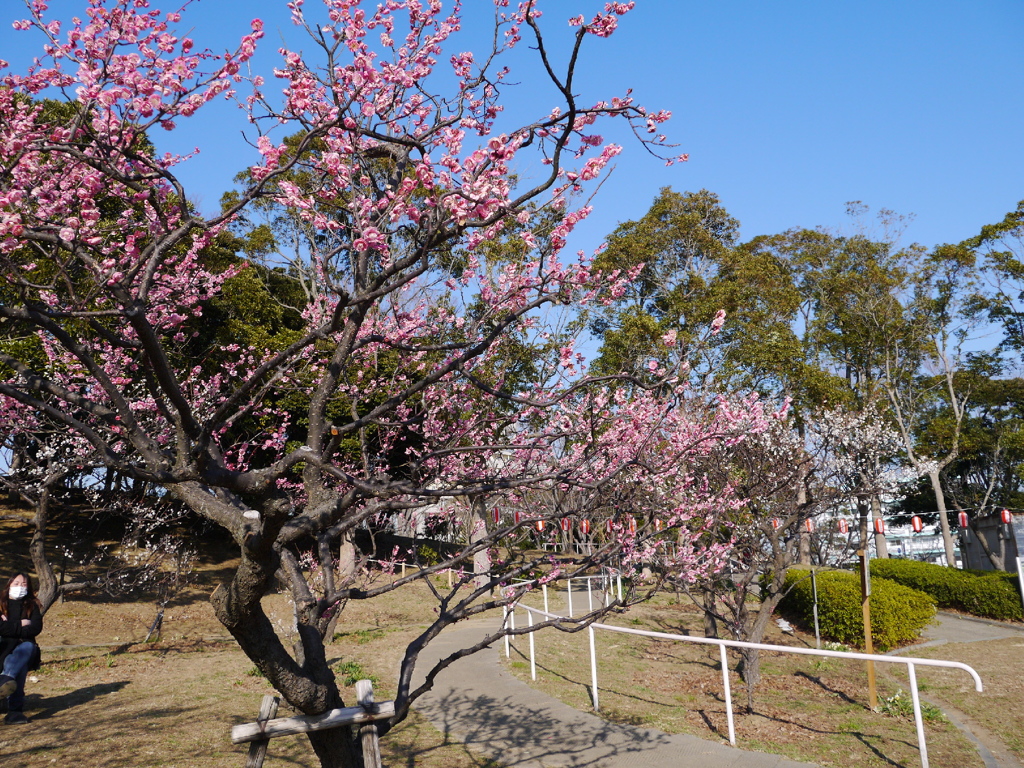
(676, 250)
(1001, 247)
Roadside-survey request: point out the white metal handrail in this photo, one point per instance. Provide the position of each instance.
(723, 644)
(609, 579)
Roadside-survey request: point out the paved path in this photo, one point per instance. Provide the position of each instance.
(954, 628)
(493, 713)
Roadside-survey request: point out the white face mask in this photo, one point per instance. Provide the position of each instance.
(17, 593)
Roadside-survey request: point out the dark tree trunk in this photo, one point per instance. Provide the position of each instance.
(750, 671)
(881, 546)
(477, 533)
(710, 620)
(48, 591)
(336, 748)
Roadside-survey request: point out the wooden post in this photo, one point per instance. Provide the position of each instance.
(368, 732)
(286, 726)
(865, 586)
(258, 749)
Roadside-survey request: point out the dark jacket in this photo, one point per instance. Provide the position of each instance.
(11, 631)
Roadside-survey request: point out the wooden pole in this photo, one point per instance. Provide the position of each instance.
(368, 732)
(258, 748)
(865, 589)
(286, 726)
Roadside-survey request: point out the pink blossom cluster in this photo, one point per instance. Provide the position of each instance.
(603, 24)
(410, 328)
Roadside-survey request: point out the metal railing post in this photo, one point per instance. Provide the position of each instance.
(533, 658)
(504, 625)
(1020, 578)
(569, 593)
(814, 589)
(593, 668)
(728, 695)
(918, 720)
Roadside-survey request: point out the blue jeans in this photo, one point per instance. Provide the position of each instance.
(16, 666)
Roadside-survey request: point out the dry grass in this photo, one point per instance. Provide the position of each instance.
(172, 703)
(1001, 666)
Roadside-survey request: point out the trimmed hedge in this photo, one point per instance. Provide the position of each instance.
(992, 594)
(898, 613)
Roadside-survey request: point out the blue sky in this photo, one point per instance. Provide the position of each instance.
(787, 109)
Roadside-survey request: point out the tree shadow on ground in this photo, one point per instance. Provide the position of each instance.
(867, 739)
(510, 732)
(400, 748)
(44, 707)
(826, 687)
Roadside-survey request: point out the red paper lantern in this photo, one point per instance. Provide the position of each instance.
(585, 526)
(658, 524)
(518, 516)
(566, 524)
(844, 527)
(632, 525)
(540, 525)
(962, 519)
(879, 525)
(1006, 516)
(916, 524)
(809, 525)
(776, 523)
(610, 525)
(497, 515)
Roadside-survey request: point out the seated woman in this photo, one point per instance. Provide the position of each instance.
(21, 619)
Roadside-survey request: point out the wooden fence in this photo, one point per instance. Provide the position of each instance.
(267, 727)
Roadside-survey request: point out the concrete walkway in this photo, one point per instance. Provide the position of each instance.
(494, 714)
(956, 628)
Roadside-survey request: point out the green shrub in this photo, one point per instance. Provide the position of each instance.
(992, 594)
(901, 705)
(349, 672)
(898, 613)
(428, 555)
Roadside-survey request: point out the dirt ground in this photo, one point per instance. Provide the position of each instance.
(103, 698)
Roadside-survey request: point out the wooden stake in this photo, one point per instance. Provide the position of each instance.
(368, 732)
(286, 726)
(258, 749)
(865, 589)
